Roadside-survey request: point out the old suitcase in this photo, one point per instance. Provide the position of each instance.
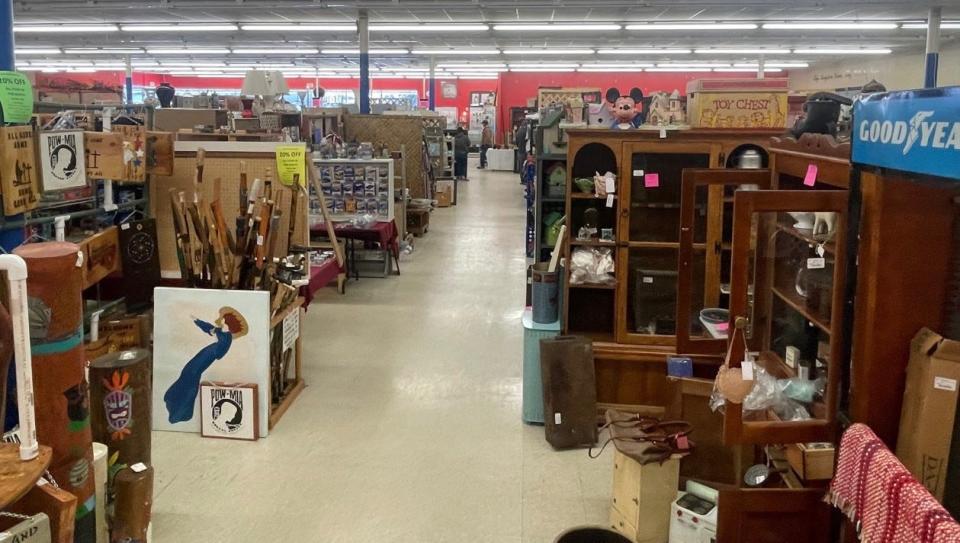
(569, 391)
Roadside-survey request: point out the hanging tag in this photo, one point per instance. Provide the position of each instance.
(682, 442)
(663, 132)
(557, 418)
(811, 178)
(651, 180)
(259, 239)
(638, 173)
(820, 250)
(746, 367)
(610, 184)
(609, 200)
(138, 467)
(816, 263)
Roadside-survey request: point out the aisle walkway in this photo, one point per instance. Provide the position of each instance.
(409, 430)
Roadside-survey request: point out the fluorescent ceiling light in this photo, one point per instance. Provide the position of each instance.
(842, 51)
(38, 62)
(829, 26)
(357, 51)
(37, 51)
(29, 69)
(180, 28)
(190, 51)
(478, 70)
(274, 51)
(456, 52)
(772, 65)
(944, 25)
(548, 51)
(105, 51)
(471, 65)
(747, 70)
(684, 70)
(617, 65)
(542, 69)
(742, 51)
(644, 51)
(522, 65)
(693, 26)
(305, 27)
(110, 63)
(81, 70)
(621, 70)
(693, 65)
(557, 27)
(66, 29)
(185, 64)
(144, 63)
(429, 28)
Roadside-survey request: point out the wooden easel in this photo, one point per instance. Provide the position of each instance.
(331, 233)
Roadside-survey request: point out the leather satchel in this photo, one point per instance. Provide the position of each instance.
(646, 439)
(569, 391)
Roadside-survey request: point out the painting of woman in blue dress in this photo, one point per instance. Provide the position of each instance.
(181, 397)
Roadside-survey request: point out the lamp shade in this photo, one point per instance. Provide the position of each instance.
(264, 83)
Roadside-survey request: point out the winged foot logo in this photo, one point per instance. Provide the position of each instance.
(918, 132)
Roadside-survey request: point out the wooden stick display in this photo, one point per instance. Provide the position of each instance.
(132, 505)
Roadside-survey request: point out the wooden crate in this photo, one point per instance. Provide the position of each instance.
(292, 387)
(418, 221)
(642, 495)
(811, 461)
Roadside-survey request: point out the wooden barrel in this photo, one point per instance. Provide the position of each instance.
(59, 382)
(120, 396)
(131, 510)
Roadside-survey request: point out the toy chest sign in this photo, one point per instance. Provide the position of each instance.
(914, 131)
(732, 103)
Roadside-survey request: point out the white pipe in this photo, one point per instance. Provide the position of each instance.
(60, 227)
(16, 270)
(108, 204)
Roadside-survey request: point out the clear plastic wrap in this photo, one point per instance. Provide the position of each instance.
(785, 397)
(365, 220)
(592, 265)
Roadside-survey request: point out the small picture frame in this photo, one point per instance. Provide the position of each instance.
(229, 410)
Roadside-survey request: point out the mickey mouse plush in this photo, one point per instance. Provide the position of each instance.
(625, 109)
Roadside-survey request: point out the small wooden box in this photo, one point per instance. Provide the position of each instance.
(642, 496)
(101, 255)
(811, 461)
(418, 221)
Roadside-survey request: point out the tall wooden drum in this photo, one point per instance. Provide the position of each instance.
(54, 289)
(120, 401)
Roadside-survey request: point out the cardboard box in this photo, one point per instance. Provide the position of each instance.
(929, 409)
(444, 194)
(811, 461)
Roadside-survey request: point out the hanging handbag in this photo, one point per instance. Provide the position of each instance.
(730, 382)
(646, 439)
(30, 529)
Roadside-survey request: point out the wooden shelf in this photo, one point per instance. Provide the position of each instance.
(553, 156)
(775, 365)
(595, 286)
(795, 301)
(592, 243)
(806, 236)
(606, 337)
(662, 245)
(18, 477)
(588, 196)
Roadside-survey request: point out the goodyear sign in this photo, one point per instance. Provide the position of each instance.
(915, 131)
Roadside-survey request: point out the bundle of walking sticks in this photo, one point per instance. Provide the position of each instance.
(239, 254)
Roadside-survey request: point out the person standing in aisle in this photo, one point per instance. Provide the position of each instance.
(486, 142)
(461, 147)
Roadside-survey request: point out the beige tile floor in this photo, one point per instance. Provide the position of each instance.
(409, 429)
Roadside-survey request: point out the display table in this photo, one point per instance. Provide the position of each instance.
(533, 332)
(500, 159)
(383, 232)
(322, 275)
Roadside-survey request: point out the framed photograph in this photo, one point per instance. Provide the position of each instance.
(448, 89)
(229, 410)
(207, 335)
(62, 160)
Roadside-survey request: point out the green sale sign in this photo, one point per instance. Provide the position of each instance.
(16, 98)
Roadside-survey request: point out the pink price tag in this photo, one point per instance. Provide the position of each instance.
(682, 442)
(811, 178)
(722, 327)
(651, 180)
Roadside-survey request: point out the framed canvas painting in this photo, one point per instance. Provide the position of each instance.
(62, 160)
(229, 410)
(207, 335)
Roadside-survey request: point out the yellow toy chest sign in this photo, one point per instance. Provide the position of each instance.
(738, 110)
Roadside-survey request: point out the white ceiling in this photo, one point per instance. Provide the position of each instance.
(487, 11)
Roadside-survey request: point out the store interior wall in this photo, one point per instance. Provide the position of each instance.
(898, 71)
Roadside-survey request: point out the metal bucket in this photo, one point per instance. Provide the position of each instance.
(546, 293)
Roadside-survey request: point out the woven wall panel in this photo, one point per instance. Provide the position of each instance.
(393, 131)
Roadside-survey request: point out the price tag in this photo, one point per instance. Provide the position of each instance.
(746, 367)
(682, 442)
(557, 418)
(663, 132)
(609, 200)
(125, 226)
(810, 179)
(820, 250)
(291, 329)
(138, 467)
(648, 280)
(638, 173)
(816, 263)
(651, 180)
(610, 184)
(259, 239)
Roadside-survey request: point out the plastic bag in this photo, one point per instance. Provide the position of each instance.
(364, 220)
(772, 394)
(592, 265)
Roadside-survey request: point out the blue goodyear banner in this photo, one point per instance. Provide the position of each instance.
(915, 131)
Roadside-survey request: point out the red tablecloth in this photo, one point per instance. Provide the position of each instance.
(383, 232)
(320, 276)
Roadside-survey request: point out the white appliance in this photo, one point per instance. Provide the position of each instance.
(693, 515)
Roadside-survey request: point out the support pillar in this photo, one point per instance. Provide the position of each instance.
(433, 84)
(363, 27)
(933, 48)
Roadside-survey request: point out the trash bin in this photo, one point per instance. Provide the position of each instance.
(546, 294)
(590, 534)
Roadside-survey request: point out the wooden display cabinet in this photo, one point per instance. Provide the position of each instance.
(632, 322)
